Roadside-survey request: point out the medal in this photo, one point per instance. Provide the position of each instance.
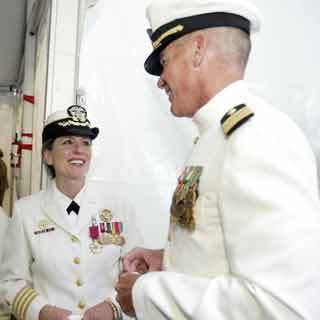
(95, 247)
(105, 239)
(185, 197)
(118, 240)
(105, 232)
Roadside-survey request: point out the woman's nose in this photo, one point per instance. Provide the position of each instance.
(78, 147)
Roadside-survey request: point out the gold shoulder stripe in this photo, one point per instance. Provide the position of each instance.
(235, 117)
(166, 34)
(22, 302)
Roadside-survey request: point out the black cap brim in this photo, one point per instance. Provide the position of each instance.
(53, 131)
(189, 24)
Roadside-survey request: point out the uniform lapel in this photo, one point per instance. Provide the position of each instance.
(52, 210)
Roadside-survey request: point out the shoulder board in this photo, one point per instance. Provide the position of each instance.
(234, 118)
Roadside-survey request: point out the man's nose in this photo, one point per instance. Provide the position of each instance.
(160, 83)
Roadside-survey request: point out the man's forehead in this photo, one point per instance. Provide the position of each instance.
(168, 49)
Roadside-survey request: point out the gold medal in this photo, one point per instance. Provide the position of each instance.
(95, 247)
(118, 240)
(105, 239)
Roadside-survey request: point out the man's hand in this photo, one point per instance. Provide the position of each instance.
(142, 260)
(53, 313)
(124, 292)
(101, 311)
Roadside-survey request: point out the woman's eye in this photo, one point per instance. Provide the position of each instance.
(87, 142)
(68, 141)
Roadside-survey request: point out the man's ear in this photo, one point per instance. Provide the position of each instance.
(199, 45)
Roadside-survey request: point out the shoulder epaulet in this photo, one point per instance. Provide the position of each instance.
(234, 118)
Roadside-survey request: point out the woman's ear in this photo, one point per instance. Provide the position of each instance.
(47, 157)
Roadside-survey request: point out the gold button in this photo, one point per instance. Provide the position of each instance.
(74, 238)
(81, 304)
(76, 260)
(79, 283)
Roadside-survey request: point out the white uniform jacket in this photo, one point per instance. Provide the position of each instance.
(254, 253)
(53, 261)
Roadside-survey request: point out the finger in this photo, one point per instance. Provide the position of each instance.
(128, 260)
(129, 265)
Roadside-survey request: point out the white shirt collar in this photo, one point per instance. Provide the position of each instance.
(63, 202)
(212, 112)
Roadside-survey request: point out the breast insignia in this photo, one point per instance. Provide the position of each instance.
(234, 118)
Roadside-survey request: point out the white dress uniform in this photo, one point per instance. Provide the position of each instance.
(254, 251)
(50, 259)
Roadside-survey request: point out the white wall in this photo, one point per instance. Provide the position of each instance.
(285, 61)
(141, 148)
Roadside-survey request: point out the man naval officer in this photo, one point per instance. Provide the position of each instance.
(245, 217)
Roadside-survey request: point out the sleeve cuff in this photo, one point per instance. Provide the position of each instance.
(35, 307)
(27, 304)
(138, 295)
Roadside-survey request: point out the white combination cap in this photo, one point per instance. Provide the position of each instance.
(171, 19)
(70, 122)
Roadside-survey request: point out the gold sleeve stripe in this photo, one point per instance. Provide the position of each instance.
(235, 118)
(27, 302)
(17, 300)
(22, 302)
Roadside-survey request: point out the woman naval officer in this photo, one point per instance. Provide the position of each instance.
(64, 244)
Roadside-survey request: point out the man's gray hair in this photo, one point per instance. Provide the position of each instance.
(231, 43)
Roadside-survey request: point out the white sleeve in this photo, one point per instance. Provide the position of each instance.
(168, 295)
(16, 285)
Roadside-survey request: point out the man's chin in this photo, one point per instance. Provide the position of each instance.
(176, 112)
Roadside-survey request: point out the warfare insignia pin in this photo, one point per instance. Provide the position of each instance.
(44, 227)
(43, 224)
(105, 215)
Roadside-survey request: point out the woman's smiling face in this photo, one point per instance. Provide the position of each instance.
(70, 156)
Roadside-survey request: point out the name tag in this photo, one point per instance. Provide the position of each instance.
(44, 230)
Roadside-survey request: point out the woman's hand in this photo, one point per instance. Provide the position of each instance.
(101, 311)
(53, 313)
(124, 292)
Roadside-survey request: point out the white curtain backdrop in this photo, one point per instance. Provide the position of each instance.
(142, 147)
